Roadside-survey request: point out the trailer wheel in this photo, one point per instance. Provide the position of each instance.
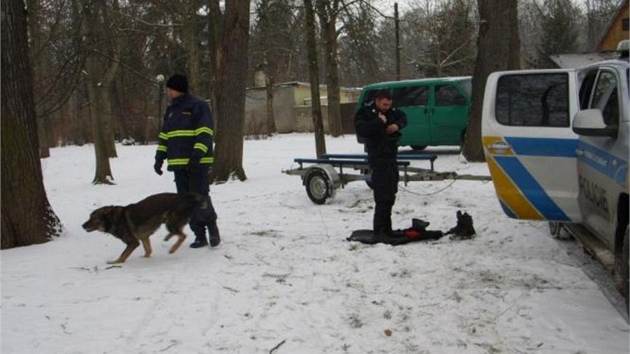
(318, 187)
(368, 180)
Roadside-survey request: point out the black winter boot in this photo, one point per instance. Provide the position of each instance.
(215, 238)
(200, 241)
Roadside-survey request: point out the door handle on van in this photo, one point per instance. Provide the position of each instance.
(500, 146)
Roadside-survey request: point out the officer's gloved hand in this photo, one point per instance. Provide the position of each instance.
(193, 164)
(157, 167)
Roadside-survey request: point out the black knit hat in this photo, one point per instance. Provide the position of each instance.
(178, 82)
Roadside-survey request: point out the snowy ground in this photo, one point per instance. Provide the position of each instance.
(285, 278)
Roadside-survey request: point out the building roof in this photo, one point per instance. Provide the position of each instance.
(622, 4)
(579, 60)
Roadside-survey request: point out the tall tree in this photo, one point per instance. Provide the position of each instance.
(313, 72)
(498, 48)
(272, 49)
(359, 47)
(102, 64)
(37, 58)
(230, 106)
(27, 217)
(328, 12)
(559, 30)
(451, 51)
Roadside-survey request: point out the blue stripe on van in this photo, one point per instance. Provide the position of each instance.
(602, 161)
(543, 146)
(530, 188)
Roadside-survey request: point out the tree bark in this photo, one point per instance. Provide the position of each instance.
(37, 58)
(27, 217)
(231, 98)
(270, 126)
(313, 73)
(191, 43)
(327, 13)
(498, 49)
(101, 64)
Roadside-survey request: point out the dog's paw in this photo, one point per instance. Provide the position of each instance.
(117, 261)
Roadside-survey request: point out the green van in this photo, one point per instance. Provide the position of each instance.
(437, 109)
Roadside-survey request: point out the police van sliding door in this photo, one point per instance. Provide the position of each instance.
(529, 144)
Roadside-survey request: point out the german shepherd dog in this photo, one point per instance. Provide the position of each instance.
(134, 223)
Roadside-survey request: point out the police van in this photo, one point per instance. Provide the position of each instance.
(557, 145)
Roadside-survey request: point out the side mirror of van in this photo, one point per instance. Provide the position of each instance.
(590, 122)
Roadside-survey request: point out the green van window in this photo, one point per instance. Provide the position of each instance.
(411, 96)
(448, 95)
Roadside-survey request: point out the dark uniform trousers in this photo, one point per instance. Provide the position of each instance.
(385, 185)
(197, 182)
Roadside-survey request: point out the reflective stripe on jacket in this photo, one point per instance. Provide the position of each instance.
(187, 131)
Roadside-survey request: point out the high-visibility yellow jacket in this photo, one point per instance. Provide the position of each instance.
(187, 132)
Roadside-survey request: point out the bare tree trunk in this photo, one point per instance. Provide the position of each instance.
(36, 57)
(27, 217)
(193, 54)
(103, 173)
(96, 21)
(498, 49)
(313, 73)
(327, 13)
(215, 26)
(231, 99)
(271, 120)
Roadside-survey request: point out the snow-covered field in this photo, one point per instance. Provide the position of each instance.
(285, 280)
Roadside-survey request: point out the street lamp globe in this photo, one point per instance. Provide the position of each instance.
(159, 78)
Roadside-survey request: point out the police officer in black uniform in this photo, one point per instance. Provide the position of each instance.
(185, 141)
(379, 125)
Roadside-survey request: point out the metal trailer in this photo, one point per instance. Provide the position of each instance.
(323, 176)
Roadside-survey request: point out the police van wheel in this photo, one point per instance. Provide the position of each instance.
(318, 187)
(555, 228)
(624, 275)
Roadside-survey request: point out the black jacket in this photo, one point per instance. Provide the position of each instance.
(186, 133)
(381, 147)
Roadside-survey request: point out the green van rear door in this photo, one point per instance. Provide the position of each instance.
(449, 113)
(414, 101)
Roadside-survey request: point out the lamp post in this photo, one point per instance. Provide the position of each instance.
(160, 80)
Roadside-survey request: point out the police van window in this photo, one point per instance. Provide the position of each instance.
(605, 97)
(411, 96)
(539, 100)
(448, 95)
(587, 88)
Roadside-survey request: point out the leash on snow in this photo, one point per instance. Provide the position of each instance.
(425, 194)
